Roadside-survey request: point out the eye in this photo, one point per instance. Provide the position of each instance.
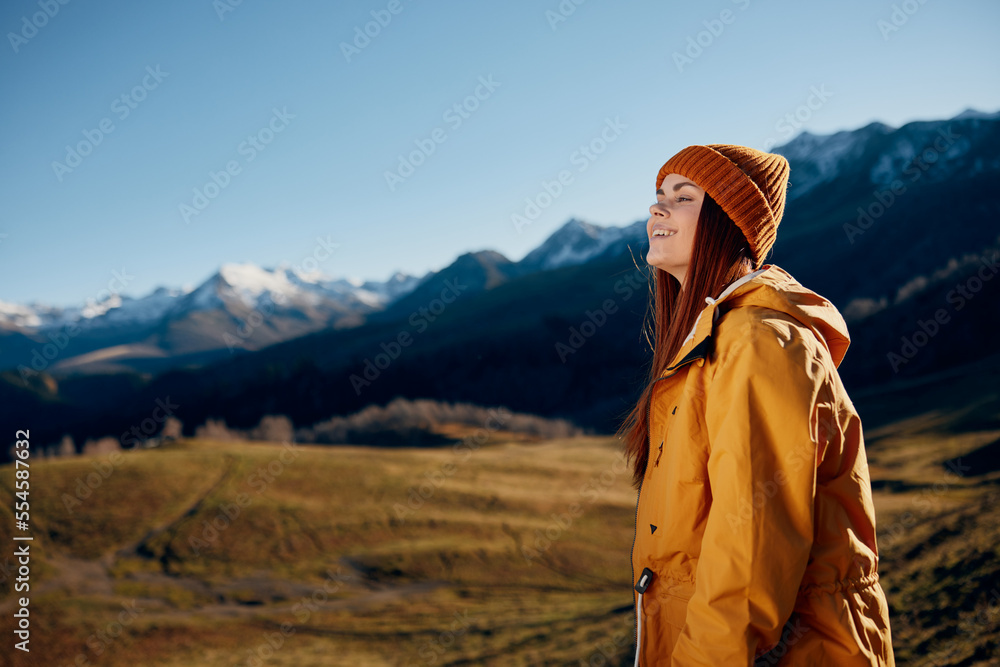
(683, 197)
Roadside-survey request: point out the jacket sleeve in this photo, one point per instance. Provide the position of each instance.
(760, 411)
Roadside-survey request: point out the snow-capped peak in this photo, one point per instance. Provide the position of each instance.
(250, 281)
(18, 315)
(234, 282)
(573, 243)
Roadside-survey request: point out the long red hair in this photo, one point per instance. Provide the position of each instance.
(720, 255)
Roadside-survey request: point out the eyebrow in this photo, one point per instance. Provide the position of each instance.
(676, 187)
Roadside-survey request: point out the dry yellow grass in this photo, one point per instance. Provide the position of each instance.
(220, 544)
(258, 554)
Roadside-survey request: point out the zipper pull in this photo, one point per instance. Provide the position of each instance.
(645, 579)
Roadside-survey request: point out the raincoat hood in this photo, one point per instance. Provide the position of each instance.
(773, 287)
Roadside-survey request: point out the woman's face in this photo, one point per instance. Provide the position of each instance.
(675, 213)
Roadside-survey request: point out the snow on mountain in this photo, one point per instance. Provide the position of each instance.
(20, 316)
(204, 297)
(371, 293)
(115, 309)
(823, 158)
(250, 282)
(820, 158)
(919, 145)
(249, 285)
(393, 288)
(245, 284)
(576, 242)
(347, 289)
(144, 310)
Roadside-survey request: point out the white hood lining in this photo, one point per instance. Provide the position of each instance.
(726, 292)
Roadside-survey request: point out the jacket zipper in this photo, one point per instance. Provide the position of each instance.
(696, 352)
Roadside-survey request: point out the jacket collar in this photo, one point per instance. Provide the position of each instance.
(695, 345)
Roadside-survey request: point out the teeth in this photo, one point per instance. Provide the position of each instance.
(663, 232)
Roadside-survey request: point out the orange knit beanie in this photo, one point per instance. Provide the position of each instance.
(747, 183)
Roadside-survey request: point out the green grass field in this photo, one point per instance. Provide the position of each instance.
(515, 553)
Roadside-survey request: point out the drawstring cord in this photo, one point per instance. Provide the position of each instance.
(644, 580)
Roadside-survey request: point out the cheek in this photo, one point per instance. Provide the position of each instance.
(692, 224)
(690, 235)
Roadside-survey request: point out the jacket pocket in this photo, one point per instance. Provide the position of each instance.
(662, 623)
(669, 603)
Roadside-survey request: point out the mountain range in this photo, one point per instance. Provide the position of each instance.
(245, 307)
(889, 224)
(240, 307)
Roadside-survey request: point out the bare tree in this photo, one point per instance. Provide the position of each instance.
(215, 429)
(273, 428)
(100, 446)
(173, 429)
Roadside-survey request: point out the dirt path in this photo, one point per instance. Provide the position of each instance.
(140, 547)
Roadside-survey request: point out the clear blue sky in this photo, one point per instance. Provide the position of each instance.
(322, 175)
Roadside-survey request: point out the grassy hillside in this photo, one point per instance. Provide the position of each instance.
(313, 539)
(934, 454)
(249, 554)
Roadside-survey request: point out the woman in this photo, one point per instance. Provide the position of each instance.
(755, 530)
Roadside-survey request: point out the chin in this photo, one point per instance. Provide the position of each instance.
(656, 260)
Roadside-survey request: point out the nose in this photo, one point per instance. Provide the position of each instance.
(658, 210)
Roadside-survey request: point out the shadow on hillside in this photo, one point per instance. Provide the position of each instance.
(978, 462)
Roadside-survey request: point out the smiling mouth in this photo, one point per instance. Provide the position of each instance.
(662, 234)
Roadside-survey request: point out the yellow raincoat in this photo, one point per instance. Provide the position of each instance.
(755, 518)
